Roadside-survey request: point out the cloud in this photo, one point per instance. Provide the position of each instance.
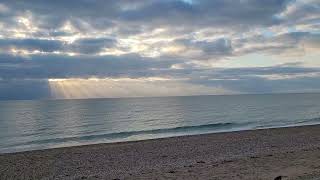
(301, 11)
(262, 79)
(183, 41)
(101, 14)
(24, 89)
(282, 44)
(64, 66)
(81, 46)
(207, 12)
(165, 82)
(91, 46)
(96, 25)
(194, 49)
(31, 44)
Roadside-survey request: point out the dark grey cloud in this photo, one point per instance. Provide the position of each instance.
(255, 80)
(24, 89)
(125, 18)
(216, 48)
(291, 69)
(277, 44)
(208, 12)
(81, 46)
(301, 12)
(101, 14)
(254, 85)
(92, 46)
(56, 12)
(31, 44)
(64, 66)
(240, 80)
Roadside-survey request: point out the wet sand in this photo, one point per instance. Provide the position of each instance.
(293, 153)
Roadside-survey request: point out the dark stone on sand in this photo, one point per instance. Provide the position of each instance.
(201, 162)
(278, 178)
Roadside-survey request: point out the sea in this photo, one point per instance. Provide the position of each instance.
(43, 124)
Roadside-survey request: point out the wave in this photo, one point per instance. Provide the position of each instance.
(311, 120)
(180, 130)
(126, 134)
(301, 122)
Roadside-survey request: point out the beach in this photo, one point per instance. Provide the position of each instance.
(292, 153)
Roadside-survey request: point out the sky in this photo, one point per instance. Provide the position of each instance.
(132, 48)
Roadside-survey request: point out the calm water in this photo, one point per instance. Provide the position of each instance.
(28, 125)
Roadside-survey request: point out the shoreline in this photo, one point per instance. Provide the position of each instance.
(293, 152)
(154, 139)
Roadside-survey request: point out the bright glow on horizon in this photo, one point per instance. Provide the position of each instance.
(126, 87)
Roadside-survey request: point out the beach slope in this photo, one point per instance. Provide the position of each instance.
(293, 153)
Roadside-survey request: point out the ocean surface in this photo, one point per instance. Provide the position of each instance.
(30, 125)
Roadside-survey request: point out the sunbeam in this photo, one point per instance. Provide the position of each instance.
(125, 87)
